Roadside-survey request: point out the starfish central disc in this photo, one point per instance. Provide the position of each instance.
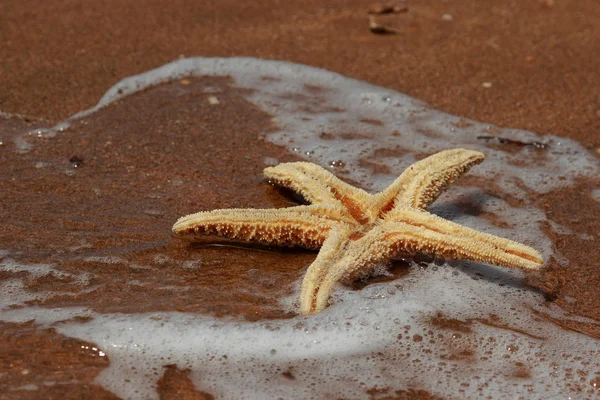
(356, 230)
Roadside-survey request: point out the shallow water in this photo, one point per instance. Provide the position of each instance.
(87, 247)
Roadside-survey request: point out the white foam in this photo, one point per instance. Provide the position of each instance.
(13, 292)
(105, 259)
(342, 105)
(596, 194)
(270, 161)
(336, 352)
(29, 387)
(379, 336)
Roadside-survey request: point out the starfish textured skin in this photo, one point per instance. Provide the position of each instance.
(355, 230)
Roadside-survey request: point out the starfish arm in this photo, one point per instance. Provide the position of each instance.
(423, 182)
(319, 186)
(358, 258)
(305, 226)
(425, 236)
(332, 249)
(351, 259)
(447, 239)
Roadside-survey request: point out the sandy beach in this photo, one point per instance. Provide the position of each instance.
(87, 210)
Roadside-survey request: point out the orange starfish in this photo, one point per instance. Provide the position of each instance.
(356, 230)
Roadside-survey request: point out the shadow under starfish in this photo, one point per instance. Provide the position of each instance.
(355, 230)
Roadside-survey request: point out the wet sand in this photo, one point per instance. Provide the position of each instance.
(540, 56)
(59, 58)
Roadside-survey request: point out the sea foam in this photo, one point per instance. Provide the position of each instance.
(384, 336)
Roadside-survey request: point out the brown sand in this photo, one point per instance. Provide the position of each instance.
(541, 58)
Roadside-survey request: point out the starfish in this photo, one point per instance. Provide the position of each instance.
(357, 231)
